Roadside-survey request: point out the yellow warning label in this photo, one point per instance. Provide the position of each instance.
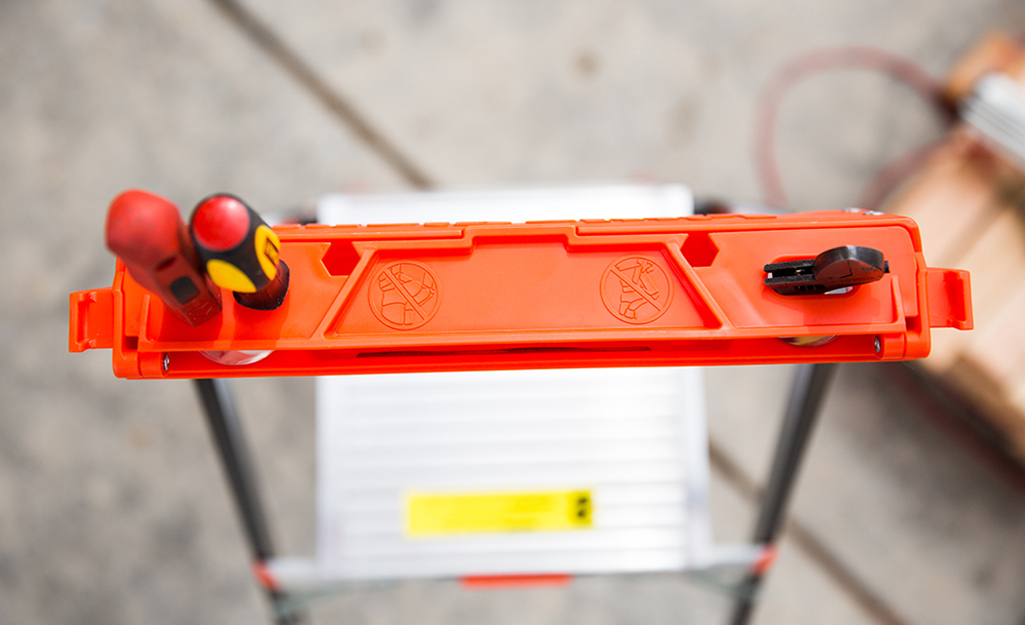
(433, 514)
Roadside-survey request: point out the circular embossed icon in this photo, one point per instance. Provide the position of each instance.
(636, 289)
(404, 294)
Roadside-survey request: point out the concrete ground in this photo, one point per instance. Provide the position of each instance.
(112, 508)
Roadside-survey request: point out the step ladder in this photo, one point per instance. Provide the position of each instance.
(550, 471)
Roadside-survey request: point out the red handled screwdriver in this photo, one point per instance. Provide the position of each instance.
(240, 251)
(147, 233)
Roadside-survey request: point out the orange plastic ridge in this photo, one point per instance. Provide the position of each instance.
(494, 582)
(442, 297)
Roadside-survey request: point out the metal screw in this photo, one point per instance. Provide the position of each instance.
(879, 345)
(167, 361)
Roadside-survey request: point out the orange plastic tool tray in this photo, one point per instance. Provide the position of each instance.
(442, 297)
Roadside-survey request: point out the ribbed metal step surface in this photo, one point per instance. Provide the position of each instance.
(633, 439)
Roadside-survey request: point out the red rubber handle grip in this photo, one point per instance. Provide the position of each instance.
(147, 233)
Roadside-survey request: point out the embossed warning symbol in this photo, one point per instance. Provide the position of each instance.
(636, 289)
(404, 295)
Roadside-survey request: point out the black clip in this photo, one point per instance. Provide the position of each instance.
(838, 268)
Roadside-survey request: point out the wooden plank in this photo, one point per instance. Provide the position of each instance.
(952, 198)
(995, 260)
(968, 219)
(998, 348)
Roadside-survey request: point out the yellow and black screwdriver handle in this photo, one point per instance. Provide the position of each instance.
(240, 251)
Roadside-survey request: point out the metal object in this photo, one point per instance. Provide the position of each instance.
(219, 408)
(996, 111)
(809, 389)
(624, 201)
(810, 385)
(633, 439)
(839, 268)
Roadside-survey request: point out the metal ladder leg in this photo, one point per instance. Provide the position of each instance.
(219, 408)
(806, 397)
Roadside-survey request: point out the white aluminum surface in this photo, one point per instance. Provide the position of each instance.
(621, 201)
(996, 111)
(635, 437)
